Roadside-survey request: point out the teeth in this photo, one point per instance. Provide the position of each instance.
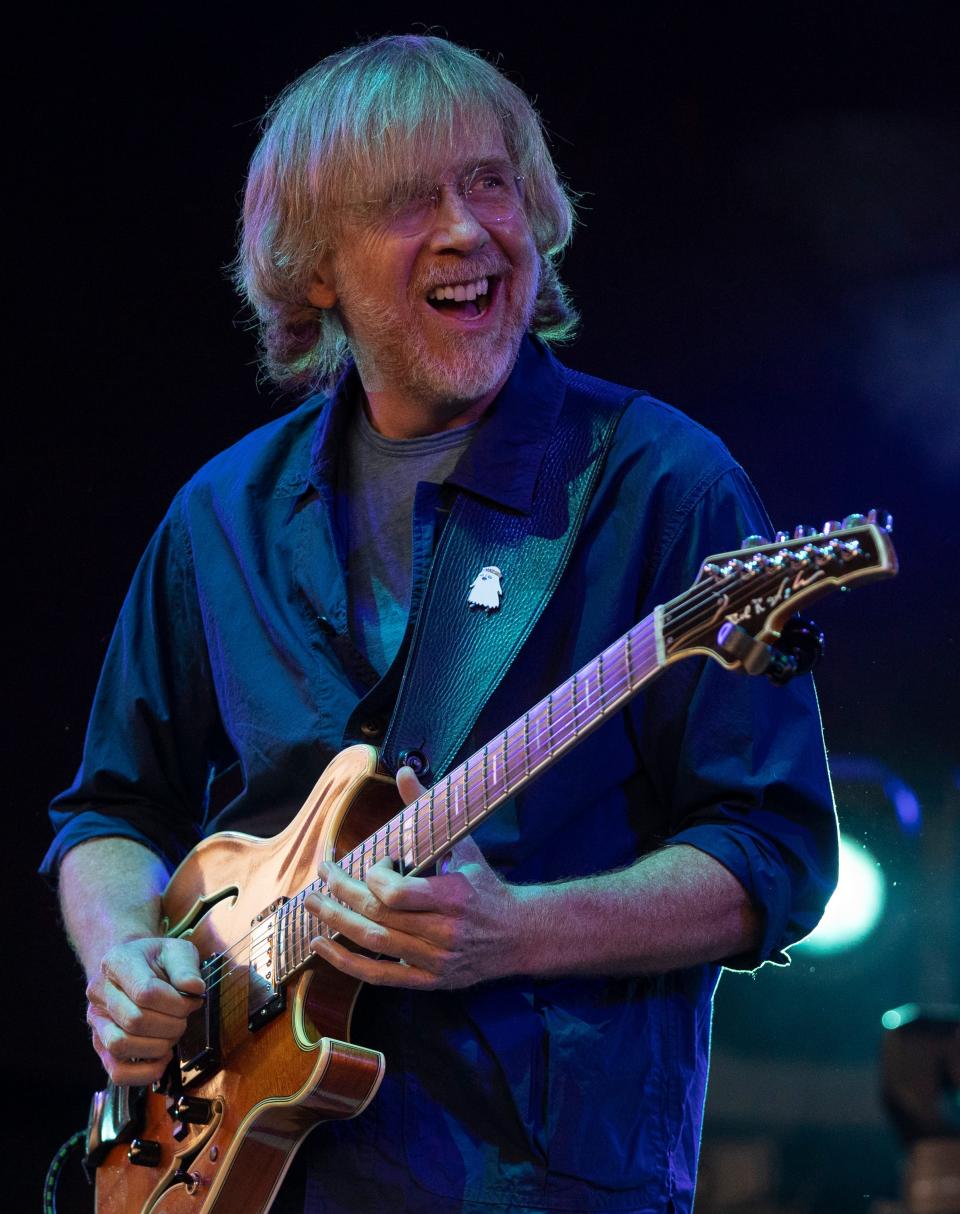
(461, 291)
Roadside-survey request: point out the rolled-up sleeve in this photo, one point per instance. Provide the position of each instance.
(741, 762)
(154, 722)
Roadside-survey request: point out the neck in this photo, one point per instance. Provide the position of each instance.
(400, 415)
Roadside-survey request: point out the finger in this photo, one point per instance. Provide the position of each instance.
(420, 938)
(130, 971)
(398, 892)
(137, 1021)
(348, 890)
(372, 970)
(129, 1071)
(465, 852)
(336, 916)
(387, 893)
(408, 785)
(180, 962)
(124, 1046)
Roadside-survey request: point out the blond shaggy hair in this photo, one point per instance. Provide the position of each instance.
(348, 131)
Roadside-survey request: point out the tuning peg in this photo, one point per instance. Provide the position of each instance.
(832, 524)
(880, 518)
(755, 541)
(854, 520)
(781, 537)
(802, 532)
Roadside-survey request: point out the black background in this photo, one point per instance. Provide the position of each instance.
(769, 240)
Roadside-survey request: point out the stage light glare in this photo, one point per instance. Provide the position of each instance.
(856, 906)
(898, 1016)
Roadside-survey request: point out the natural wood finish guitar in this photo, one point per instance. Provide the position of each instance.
(269, 1055)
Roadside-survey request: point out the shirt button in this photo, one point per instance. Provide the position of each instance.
(371, 729)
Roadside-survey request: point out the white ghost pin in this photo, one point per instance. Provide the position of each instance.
(486, 590)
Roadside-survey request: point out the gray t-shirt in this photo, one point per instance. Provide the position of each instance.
(382, 478)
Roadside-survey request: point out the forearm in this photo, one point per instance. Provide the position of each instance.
(674, 908)
(110, 892)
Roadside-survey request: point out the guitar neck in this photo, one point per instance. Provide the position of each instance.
(423, 831)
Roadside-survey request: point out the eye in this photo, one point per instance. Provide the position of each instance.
(407, 204)
(486, 181)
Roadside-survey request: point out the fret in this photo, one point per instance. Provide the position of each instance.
(301, 931)
(400, 864)
(293, 936)
(433, 823)
(549, 724)
(573, 705)
(283, 937)
(304, 929)
(526, 745)
(408, 838)
(628, 659)
(446, 808)
(415, 841)
(506, 760)
(460, 785)
(601, 694)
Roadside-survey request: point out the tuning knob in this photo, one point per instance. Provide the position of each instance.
(802, 532)
(755, 541)
(854, 520)
(781, 537)
(832, 524)
(881, 518)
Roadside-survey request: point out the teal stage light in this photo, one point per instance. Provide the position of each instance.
(856, 906)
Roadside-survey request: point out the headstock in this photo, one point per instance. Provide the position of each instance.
(741, 601)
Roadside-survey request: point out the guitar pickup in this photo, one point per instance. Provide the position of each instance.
(266, 995)
(199, 1049)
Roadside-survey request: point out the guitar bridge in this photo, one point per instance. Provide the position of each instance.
(266, 996)
(199, 1049)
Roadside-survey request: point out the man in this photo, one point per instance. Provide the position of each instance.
(544, 1001)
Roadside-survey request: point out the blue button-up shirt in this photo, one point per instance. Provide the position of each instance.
(230, 682)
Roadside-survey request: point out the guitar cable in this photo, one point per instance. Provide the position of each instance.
(55, 1170)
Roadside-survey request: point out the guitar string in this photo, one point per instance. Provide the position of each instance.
(294, 908)
(691, 603)
(295, 942)
(403, 831)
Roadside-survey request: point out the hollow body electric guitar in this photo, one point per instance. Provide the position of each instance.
(269, 1053)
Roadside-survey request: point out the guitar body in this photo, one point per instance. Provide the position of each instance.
(277, 1081)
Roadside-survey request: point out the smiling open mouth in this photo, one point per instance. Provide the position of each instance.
(462, 298)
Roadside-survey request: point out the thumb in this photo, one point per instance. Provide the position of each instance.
(408, 785)
(180, 962)
(463, 854)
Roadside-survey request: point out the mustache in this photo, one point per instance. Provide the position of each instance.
(462, 271)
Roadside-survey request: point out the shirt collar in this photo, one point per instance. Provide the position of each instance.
(503, 461)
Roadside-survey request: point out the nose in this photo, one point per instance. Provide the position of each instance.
(454, 225)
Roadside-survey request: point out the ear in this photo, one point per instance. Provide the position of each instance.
(322, 292)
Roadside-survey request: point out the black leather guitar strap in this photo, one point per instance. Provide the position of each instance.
(459, 653)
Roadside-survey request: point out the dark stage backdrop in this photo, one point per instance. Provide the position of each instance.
(769, 240)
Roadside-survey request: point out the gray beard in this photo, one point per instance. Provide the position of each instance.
(462, 371)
